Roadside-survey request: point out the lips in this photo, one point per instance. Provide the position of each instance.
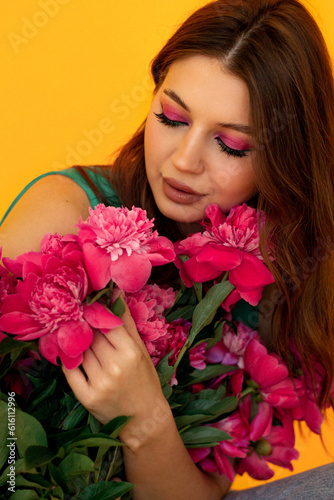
(180, 193)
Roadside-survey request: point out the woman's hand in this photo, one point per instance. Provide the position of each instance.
(121, 380)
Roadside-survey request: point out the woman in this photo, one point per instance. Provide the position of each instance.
(242, 112)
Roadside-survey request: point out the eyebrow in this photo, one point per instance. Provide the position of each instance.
(245, 129)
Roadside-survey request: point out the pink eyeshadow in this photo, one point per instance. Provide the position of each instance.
(234, 143)
(172, 114)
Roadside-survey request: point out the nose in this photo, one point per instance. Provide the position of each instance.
(188, 155)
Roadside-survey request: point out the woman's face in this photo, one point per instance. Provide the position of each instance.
(198, 143)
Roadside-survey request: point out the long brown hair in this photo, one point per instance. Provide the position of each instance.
(276, 47)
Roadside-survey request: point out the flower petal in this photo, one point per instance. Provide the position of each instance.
(255, 466)
(261, 424)
(224, 465)
(131, 273)
(251, 274)
(69, 362)
(220, 257)
(74, 337)
(20, 323)
(161, 251)
(48, 347)
(198, 454)
(100, 317)
(97, 264)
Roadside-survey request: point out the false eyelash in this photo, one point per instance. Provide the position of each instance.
(238, 153)
(166, 121)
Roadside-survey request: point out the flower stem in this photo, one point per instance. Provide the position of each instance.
(225, 277)
(100, 294)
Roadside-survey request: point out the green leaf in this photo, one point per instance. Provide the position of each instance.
(105, 491)
(75, 417)
(212, 394)
(10, 344)
(38, 479)
(29, 432)
(31, 482)
(42, 392)
(185, 296)
(209, 444)
(115, 426)
(182, 398)
(167, 391)
(95, 440)
(57, 494)
(185, 313)
(62, 437)
(163, 369)
(209, 372)
(36, 456)
(93, 423)
(58, 477)
(75, 464)
(182, 421)
(24, 495)
(201, 435)
(201, 411)
(118, 307)
(205, 311)
(211, 340)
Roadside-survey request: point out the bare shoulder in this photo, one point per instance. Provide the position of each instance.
(52, 205)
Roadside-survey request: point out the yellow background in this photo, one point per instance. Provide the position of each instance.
(72, 67)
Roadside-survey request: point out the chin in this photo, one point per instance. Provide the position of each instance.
(181, 214)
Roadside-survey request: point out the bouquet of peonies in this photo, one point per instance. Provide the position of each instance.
(231, 399)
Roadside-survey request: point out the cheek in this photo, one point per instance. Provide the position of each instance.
(153, 140)
(236, 178)
(149, 141)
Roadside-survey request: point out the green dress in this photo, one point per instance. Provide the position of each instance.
(98, 180)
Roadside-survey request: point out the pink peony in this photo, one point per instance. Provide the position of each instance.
(231, 348)
(228, 244)
(197, 356)
(174, 339)
(238, 446)
(120, 245)
(49, 305)
(271, 376)
(254, 442)
(177, 334)
(230, 351)
(277, 447)
(239, 430)
(147, 307)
